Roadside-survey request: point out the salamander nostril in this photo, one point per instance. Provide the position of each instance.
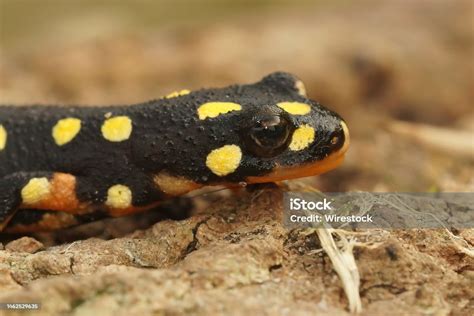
(336, 139)
(340, 138)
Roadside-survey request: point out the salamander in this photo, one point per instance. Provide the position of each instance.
(61, 165)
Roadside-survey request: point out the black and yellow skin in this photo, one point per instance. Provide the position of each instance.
(115, 160)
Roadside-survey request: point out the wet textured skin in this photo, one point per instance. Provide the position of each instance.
(167, 136)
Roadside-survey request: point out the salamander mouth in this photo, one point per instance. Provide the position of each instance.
(321, 166)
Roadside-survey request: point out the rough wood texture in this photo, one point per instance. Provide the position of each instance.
(236, 256)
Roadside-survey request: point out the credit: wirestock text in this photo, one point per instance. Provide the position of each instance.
(331, 218)
(379, 209)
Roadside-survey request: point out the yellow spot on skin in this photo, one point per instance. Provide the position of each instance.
(302, 137)
(117, 129)
(65, 130)
(177, 94)
(119, 196)
(224, 160)
(295, 108)
(174, 185)
(214, 109)
(35, 190)
(299, 85)
(3, 137)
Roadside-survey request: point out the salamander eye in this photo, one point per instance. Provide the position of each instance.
(269, 136)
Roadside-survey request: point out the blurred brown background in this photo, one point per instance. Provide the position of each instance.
(400, 72)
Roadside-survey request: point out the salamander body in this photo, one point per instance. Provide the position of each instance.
(60, 165)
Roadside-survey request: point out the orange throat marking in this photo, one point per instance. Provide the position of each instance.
(308, 170)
